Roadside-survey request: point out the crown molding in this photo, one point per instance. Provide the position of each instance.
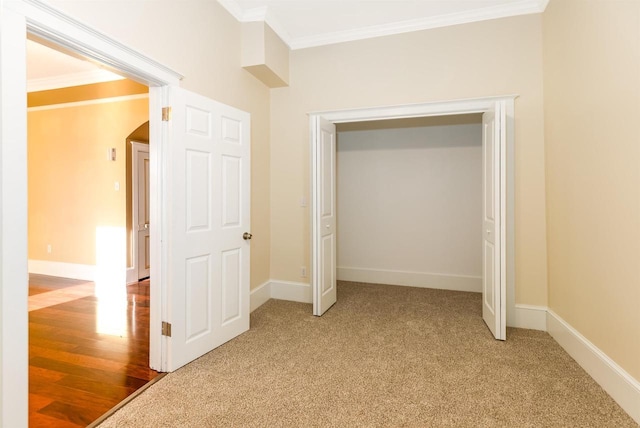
(523, 7)
(72, 79)
(233, 8)
(514, 8)
(257, 14)
(278, 28)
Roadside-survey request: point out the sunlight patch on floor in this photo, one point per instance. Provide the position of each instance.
(64, 295)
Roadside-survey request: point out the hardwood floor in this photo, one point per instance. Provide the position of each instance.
(86, 354)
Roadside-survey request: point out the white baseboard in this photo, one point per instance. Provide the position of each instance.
(411, 279)
(63, 270)
(260, 295)
(531, 317)
(131, 276)
(289, 290)
(281, 290)
(619, 384)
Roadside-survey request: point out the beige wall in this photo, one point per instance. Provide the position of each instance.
(71, 179)
(200, 40)
(498, 57)
(592, 109)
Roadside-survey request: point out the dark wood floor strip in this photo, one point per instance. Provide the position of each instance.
(125, 401)
(77, 372)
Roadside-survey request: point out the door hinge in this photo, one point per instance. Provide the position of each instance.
(166, 329)
(166, 114)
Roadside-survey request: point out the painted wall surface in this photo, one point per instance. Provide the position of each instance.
(71, 179)
(497, 57)
(409, 198)
(592, 106)
(200, 40)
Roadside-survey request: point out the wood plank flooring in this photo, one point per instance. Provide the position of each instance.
(86, 354)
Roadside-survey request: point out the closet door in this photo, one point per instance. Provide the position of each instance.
(324, 217)
(493, 215)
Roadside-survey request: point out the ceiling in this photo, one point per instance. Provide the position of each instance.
(300, 24)
(50, 69)
(307, 23)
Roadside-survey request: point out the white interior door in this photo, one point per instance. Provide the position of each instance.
(142, 183)
(324, 220)
(493, 214)
(208, 272)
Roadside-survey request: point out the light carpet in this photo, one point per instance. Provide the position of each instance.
(383, 356)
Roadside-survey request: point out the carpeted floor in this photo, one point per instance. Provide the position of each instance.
(383, 356)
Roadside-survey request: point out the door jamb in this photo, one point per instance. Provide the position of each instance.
(438, 108)
(51, 26)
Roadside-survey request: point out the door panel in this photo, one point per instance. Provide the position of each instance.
(493, 212)
(231, 279)
(325, 220)
(198, 301)
(328, 269)
(198, 191)
(231, 190)
(209, 212)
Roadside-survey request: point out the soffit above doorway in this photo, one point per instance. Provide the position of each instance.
(307, 23)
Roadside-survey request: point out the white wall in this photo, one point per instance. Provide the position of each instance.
(410, 203)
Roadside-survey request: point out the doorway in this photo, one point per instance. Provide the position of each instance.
(188, 161)
(139, 244)
(52, 27)
(497, 230)
(77, 151)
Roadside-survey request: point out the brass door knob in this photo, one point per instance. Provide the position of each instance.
(246, 236)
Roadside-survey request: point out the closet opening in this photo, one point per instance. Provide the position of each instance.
(409, 202)
(494, 221)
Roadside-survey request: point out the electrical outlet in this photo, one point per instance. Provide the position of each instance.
(48, 248)
(303, 271)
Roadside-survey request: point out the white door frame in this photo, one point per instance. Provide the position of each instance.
(442, 108)
(49, 25)
(136, 149)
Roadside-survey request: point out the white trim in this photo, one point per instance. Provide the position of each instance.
(14, 321)
(530, 316)
(71, 79)
(63, 270)
(51, 26)
(440, 108)
(234, 9)
(515, 8)
(619, 384)
(131, 276)
(401, 111)
(263, 13)
(289, 290)
(280, 290)
(90, 102)
(440, 281)
(259, 296)
(17, 19)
